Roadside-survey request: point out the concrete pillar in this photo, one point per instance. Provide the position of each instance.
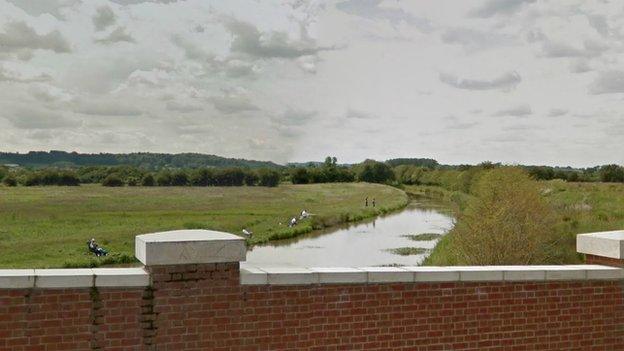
(605, 248)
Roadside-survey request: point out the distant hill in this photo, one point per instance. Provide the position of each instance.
(140, 159)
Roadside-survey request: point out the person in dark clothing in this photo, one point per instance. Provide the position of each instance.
(373, 202)
(96, 249)
(366, 202)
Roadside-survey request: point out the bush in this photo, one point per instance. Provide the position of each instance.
(9, 180)
(299, 175)
(112, 180)
(268, 177)
(68, 179)
(202, 177)
(374, 172)
(163, 178)
(612, 173)
(32, 179)
(179, 178)
(407, 174)
(148, 180)
(229, 177)
(506, 223)
(251, 178)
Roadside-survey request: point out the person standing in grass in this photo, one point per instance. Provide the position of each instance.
(366, 202)
(373, 202)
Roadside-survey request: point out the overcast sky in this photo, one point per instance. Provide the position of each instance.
(532, 82)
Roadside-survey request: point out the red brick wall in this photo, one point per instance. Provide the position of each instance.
(203, 307)
(607, 261)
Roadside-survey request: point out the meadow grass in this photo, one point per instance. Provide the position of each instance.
(49, 226)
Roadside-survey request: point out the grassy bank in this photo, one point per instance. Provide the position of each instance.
(49, 226)
(579, 208)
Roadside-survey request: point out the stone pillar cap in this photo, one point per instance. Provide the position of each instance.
(603, 244)
(189, 247)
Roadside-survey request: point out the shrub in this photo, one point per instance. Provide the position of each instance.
(32, 179)
(299, 175)
(611, 173)
(268, 177)
(68, 179)
(374, 172)
(507, 222)
(163, 178)
(9, 180)
(148, 180)
(251, 178)
(179, 178)
(229, 177)
(49, 177)
(202, 177)
(112, 180)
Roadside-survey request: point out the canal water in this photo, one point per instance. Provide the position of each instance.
(368, 243)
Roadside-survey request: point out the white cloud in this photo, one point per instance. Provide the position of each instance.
(499, 7)
(377, 10)
(20, 38)
(118, 35)
(37, 8)
(32, 118)
(358, 114)
(506, 81)
(610, 82)
(103, 18)
(556, 112)
(106, 108)
(182, 108)
(472, 39)
(11, 76)
(230, 103)
(247, 39)
(515, 111)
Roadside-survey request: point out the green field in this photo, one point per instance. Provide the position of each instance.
(49, 226)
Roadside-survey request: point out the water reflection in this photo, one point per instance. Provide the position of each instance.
(362, 244)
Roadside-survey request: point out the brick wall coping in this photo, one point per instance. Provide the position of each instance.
(603, 244)
(73, 278)
(274, 275)
(189, 247)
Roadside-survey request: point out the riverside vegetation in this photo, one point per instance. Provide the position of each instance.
(497, 209)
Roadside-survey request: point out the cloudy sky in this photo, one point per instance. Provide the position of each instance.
(517, 81)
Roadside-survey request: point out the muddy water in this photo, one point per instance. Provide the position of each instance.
(367, 243)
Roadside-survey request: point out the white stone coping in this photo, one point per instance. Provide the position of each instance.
(261, 275)
(73, 278)
(254, 275)
(604, 244)
(189, 247)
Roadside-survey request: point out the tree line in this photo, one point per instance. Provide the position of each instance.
(396, 171)
(147, 160)
(134, 176)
